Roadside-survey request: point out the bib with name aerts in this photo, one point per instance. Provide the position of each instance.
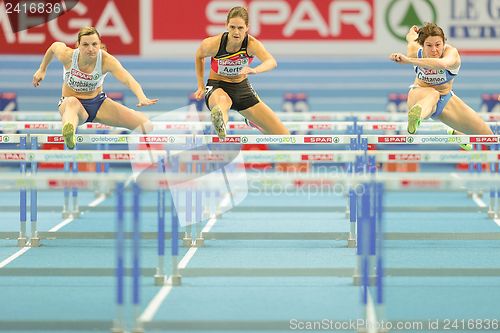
(230, 64)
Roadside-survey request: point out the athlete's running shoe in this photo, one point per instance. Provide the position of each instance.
(464, 146)
(414, 118)
(68, 132)
(218, 122)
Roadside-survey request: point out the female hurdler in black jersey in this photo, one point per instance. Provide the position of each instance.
(436, 65)
(83, 99)
(228, 87)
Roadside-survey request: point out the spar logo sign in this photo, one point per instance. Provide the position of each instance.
(282, 20)
(395, 139)
(401, 15)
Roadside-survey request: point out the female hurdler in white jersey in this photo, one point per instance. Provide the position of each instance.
(436, 65)
(83, 99)
(228, 87)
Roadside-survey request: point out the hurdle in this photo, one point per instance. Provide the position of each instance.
(35, 115)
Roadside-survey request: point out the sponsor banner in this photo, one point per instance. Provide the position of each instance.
(67, 183)
(13, 156)
(53, 139)
(317, 157)
(97, 126)
(405, 157)
(324, 20)
(392, 139)
(385, 127)
(117, 156)
(323, 27)
(421, 183)
(483, 139)
(471, 26)
(116, 21)
(319, 139)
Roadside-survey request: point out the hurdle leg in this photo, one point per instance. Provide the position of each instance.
(136, 263)
(379, 207)
(75, 212)
(187, 239)
(188, 234)
(118, 322)
(159, 278)
(35, 240)
(493, 194)
(491, 207)
(176, 277)
(22, 240)
(200, 240)
(359, 240)
(351, 241)
(66, 210)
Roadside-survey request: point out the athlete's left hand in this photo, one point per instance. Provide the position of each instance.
(248, 70)
(146, 101)
(399, 58)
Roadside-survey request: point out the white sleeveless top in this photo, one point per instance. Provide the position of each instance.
(84, 82)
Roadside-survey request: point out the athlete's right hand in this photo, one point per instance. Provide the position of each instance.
(399, 58)
(199, 93)
(412, 34)
(37, 77)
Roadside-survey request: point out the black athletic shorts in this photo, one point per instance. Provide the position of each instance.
(241, 93)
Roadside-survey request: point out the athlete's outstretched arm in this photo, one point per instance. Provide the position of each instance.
(450, 61)
(121, 74)
(57, 49)
(268, 62)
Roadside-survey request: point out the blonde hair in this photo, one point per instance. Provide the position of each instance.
(238, 12)
(87, 31)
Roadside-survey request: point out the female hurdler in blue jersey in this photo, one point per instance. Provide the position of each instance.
(436, 65)
(227, 86)
(83, 99)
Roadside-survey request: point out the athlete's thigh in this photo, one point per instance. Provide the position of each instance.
(265, 118)
(417, 94)
(461, 117)
(221, 98)
(115, 114)
(74, 103)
